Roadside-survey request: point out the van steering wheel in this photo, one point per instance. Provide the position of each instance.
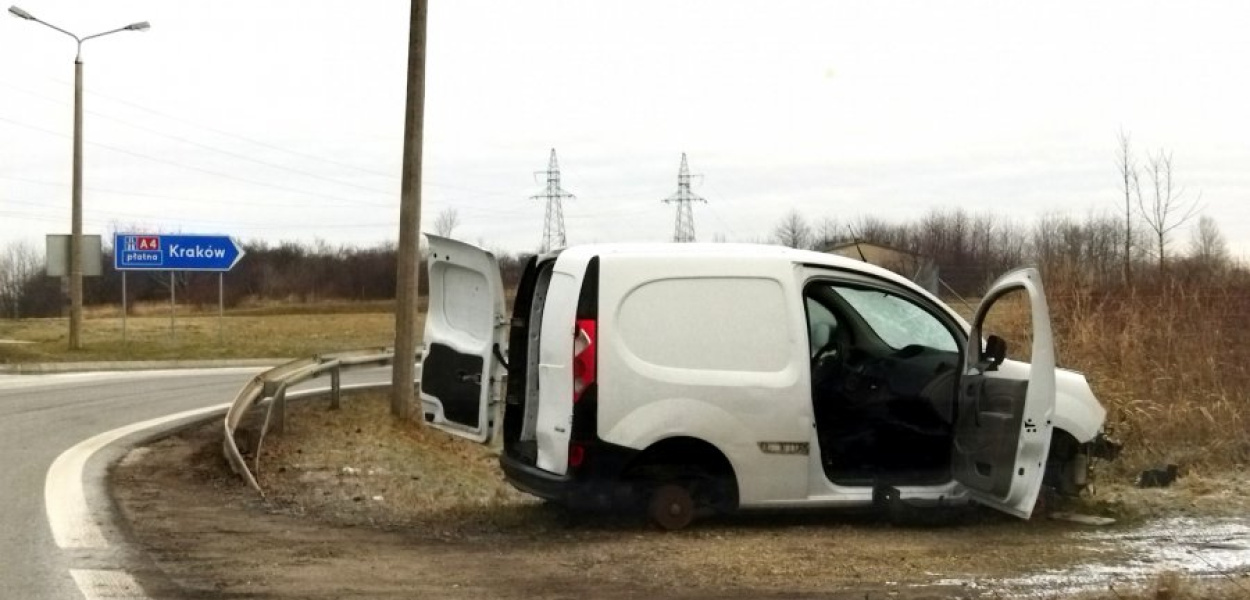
(834, 349)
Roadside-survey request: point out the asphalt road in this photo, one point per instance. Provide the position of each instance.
(43, 415)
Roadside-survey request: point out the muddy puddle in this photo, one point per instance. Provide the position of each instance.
(1193, 547)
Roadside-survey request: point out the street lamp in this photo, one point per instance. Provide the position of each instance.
(75, 240)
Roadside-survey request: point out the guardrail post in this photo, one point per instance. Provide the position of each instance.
(279, 409)
(271, 385)
(335, 391)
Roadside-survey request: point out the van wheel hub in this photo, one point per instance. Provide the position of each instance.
(671, 506)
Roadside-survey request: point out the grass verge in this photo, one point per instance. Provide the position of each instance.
(243, 334)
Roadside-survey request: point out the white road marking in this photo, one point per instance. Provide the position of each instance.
(69, 516)
(97, 584)
(13, 382)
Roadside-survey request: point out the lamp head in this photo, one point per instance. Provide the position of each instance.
(17, 12)
(140, 26)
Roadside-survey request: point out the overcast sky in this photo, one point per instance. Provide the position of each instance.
(283, 120)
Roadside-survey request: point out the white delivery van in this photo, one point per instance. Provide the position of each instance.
(694, 378)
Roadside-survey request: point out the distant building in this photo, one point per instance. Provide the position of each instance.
(915, 267)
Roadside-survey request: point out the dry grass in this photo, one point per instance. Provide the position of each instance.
(1171, 364)
(197, 335)
(358, 465)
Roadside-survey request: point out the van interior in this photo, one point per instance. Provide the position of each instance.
(884, 376)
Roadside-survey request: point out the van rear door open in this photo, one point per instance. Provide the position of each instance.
(1004, 420)
(464, 331)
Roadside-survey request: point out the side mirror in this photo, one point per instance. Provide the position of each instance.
(995, 353)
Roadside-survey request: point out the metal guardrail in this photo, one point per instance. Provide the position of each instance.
(273, 385)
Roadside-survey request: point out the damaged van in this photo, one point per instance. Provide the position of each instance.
(692, 379)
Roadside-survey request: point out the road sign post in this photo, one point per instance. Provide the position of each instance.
(173, 253)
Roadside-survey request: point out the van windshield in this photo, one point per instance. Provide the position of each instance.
(898, 321)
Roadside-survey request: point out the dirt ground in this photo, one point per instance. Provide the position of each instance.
(357, 506)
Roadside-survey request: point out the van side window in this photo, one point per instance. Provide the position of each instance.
(821, 325)
(708, 323)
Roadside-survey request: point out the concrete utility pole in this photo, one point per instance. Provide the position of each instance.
(75, 237)
(683, 229)
(553, 225)
(403, 392)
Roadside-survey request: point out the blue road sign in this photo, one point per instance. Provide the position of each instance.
(147, 252)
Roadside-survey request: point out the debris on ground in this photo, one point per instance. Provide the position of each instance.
(1072, 517)
(1157, 478)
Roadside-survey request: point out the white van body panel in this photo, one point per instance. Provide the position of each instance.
(711, 342)
(555, 363)
(762, 478)
(976, 463)
(463, 330)
(712, 350)
(1077, 410)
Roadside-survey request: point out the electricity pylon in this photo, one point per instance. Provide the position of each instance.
(683, 229)
(553, 226)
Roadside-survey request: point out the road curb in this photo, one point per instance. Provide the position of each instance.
(135, 365)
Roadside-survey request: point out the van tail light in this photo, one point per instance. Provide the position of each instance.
(582, 437)
(583, 357)
(577, 454)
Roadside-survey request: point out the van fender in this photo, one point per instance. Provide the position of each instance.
(1077, 410)
(686, 417)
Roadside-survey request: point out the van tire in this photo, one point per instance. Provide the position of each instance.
(1060, 477)
(671, 506)
(694, 464)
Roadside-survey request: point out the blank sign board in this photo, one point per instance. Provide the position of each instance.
(57, 253)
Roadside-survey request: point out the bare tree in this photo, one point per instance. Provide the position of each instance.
(825, 233)
(1207, 246)
(446, 222)
(18, 266)
(793, 231)
(1164, 206)
(1127, 169)
(879, 231)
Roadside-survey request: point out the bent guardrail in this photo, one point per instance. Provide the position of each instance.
(273, 384)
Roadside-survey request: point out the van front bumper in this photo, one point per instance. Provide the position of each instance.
(1104, 447)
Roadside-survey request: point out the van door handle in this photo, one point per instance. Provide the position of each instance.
(470, 377)
(499, 356)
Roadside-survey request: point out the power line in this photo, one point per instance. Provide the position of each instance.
(247, 158)
(553, 227)
(166, 197)
(715, 213)
(114, 216)
(270, 146)
(212, 148)
(225, 133)
(200, 169)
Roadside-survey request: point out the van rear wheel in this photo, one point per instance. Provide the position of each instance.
(671, 506)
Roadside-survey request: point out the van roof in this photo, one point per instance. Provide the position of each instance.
(716, 250)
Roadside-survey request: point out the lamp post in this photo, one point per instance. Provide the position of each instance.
(75, 240)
